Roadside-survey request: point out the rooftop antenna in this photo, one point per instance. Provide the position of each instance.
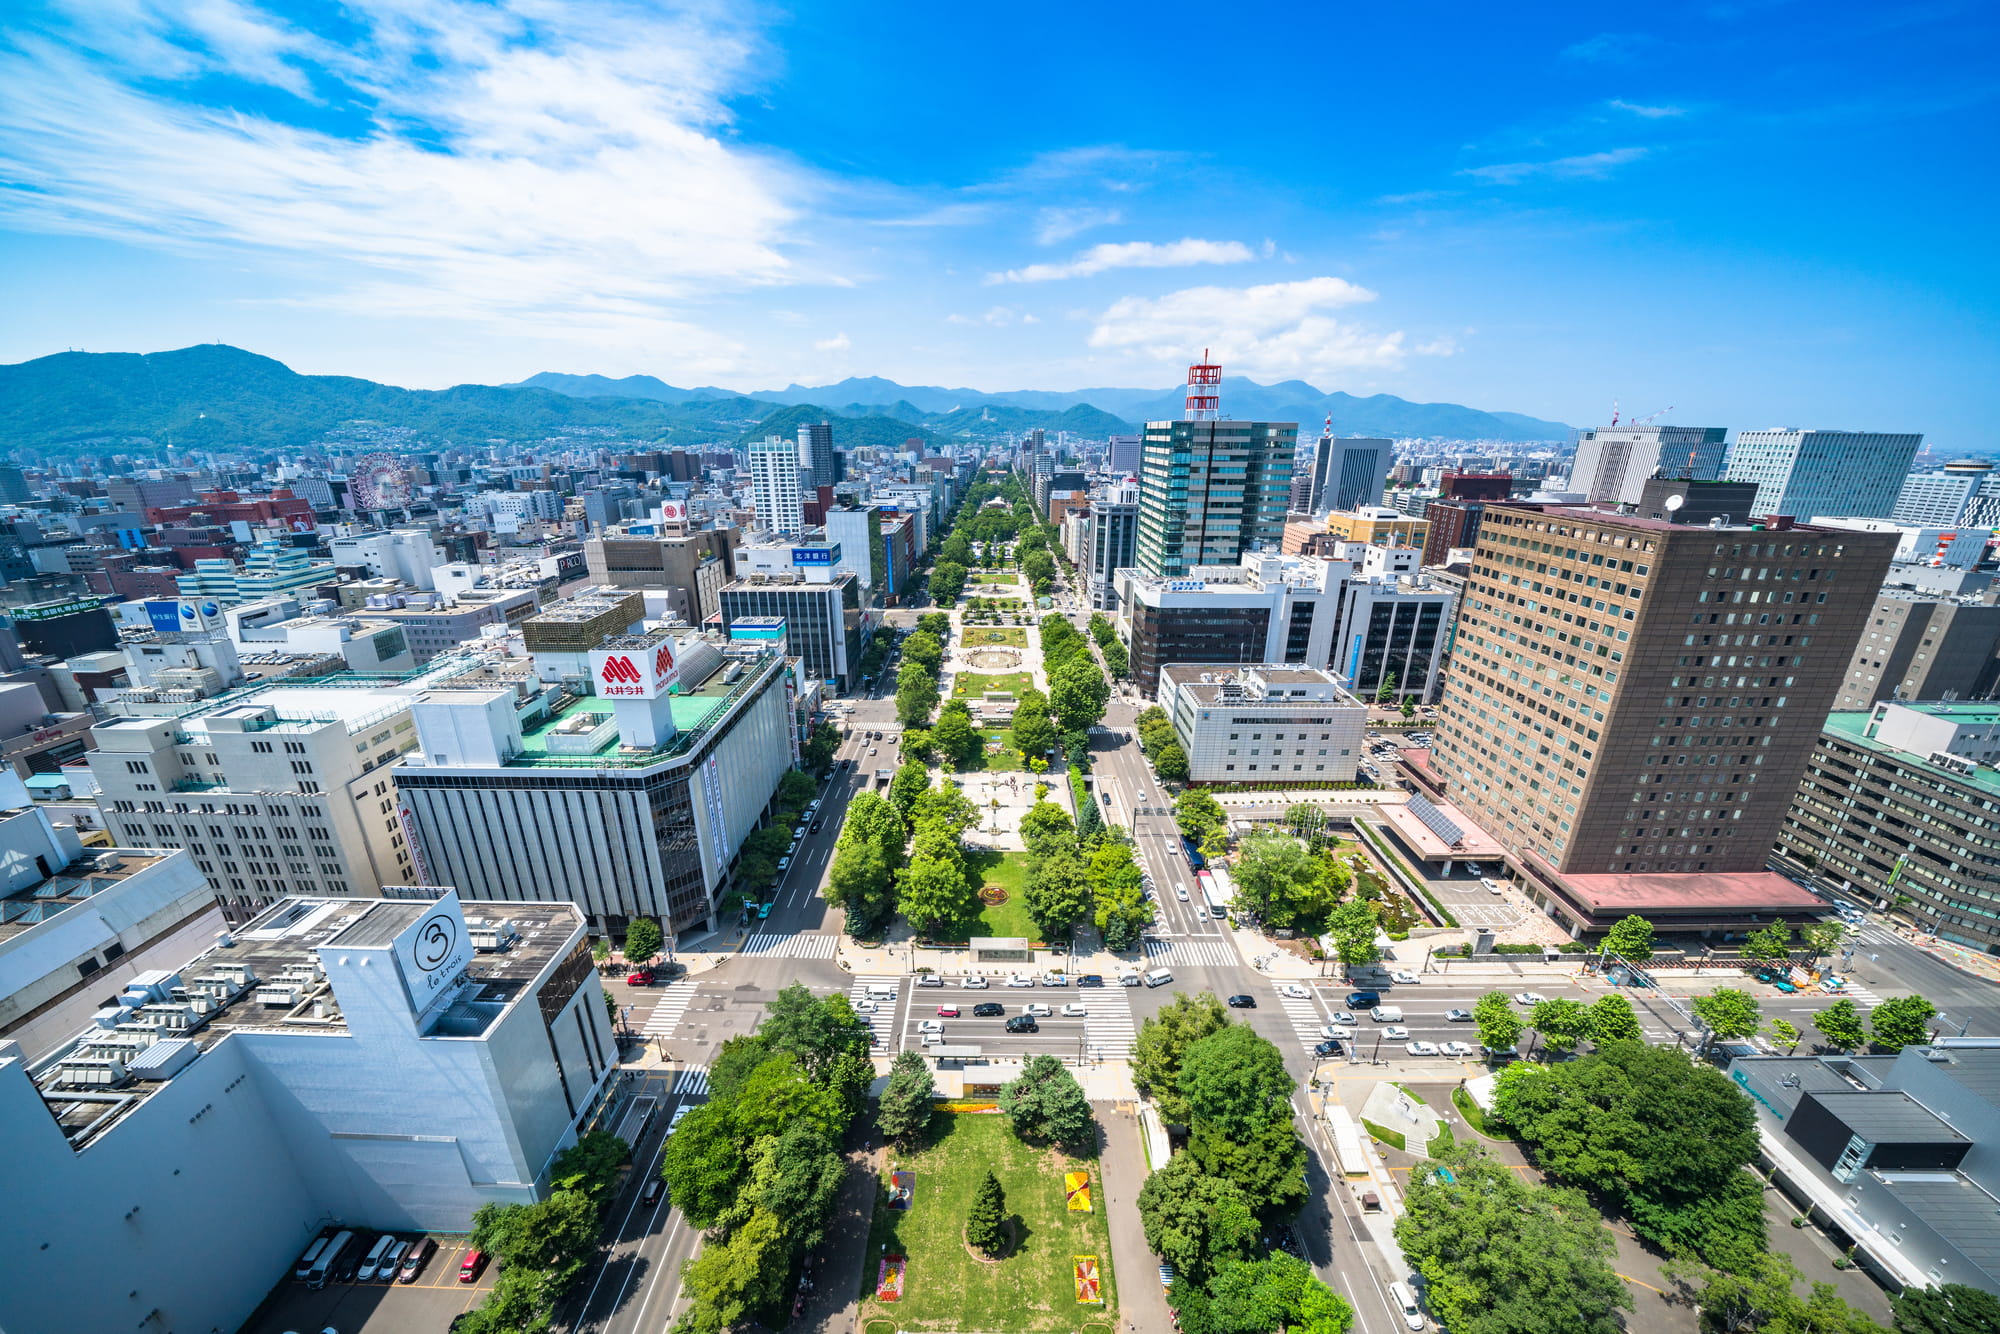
(1204, 390)
(1614, 412)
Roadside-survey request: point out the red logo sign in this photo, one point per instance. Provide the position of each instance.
(663, 661)
(620, 669)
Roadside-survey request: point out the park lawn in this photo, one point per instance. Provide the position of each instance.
(971, 685)
(1032, 1289)
(1009, 870)
(992, 636)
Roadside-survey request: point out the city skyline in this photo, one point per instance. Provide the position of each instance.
(755, 197)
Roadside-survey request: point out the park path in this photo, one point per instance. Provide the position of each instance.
(1141, 1303)
(834, 1304)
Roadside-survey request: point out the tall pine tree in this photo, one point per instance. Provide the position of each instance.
(989, 1209)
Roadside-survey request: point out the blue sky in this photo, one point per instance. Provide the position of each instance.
(1758, 213)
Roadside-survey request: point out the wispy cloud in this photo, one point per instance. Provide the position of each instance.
(840, 342)
(1132, 255)
(1275, 329)
(1648, 112)
(997, 317)
(554, 168)
(1584, 166)
(1059, 224)
(1611, 48)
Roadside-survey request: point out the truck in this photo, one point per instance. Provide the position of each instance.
(1217, 889)
(882, 777)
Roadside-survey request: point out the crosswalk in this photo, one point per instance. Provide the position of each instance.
(882, 1016)
(691, 1082)
(1108, 1026)
(1861, 996)
(793, 945)
(1191, 953)
(1305, 1018)
(667, 1011)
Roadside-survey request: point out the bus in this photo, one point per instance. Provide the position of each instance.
(1195, 860)
(1218, 889)
(638, 1119)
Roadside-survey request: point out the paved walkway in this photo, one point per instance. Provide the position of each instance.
(1141, 1302)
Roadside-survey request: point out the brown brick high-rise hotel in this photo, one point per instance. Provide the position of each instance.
(1631, 703)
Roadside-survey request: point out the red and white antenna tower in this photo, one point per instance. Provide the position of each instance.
(1204, 390)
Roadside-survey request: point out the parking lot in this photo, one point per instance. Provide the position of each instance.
(429, 1304)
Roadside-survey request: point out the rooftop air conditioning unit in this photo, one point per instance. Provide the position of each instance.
(286, 996)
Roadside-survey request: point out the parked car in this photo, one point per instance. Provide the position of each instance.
(976, 983)
(680, 1112)
(416, 1258)
(1422, 1048)
(1405, 979)
(798, 833)
(1396, 1033)
(391, 1261)
(764, 909)
(1244, 1002)
(1458, 1016)
(1075, 1011)
(1023, 1023)
(1492, 886)
(641, 978)
(472, 1267)
(988, 1010)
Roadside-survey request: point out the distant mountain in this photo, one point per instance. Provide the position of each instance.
(953, 410)
(881, 432)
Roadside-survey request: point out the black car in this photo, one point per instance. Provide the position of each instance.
(1091, 980)
(1023, 1023)
(351, 1258)
(989, 1009)
(1242, 1002)
(1363, 1000)
(1331, 1047)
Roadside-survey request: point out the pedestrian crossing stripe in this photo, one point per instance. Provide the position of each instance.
(1305, 1017)
(883, 1019)
(1107, 1023)
(667, 1012)
(1192, 953)
(691, 1082)
(796, 945)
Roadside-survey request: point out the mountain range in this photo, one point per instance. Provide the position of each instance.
(222, 398)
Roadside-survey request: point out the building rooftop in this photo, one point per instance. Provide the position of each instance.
(269, 978)
(1851, 728)
(1622, 893)
(1888, 1116)
(89, 875)
(1262, 685)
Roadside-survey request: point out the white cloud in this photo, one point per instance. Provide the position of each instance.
(1281, 329)
(1648, 112)
(998, 317)
(1132, 255)
(1611, 48)
(1584, 166)
(1059, 224)
(532, 168)
(840, 342)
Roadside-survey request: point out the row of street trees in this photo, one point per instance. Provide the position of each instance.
(1082, 868)
(1116, 661)
(1243, 1171)
(1161, 745)
(904, 852)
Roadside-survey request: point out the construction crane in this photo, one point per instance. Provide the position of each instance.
(1648, 418)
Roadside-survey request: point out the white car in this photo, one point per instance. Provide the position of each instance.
(1075, 1011)
(1037, 1008)
(679, 1112)
(1343, 1017)
(862, 1006)
(784, 863)
(1017, 980)
(1421, 1048)
(1332, 1031)
(1180, 892)
(1201, 914)
(931, 1026)
(1529, 998)
(1492, 886)
(1294, 991)
(974, 982)
(1458, 1050)
(1405, 979)
(1396, 1033)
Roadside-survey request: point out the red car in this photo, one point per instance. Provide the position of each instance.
(642, 978)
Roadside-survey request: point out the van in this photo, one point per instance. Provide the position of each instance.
(1159, 977)
(882, 991)
(1405, 1303)
(415, 1258)
(313, 1252)
(316, 1276)
(392, 1260)
(654, 1189)
(373, 1262)
(473, 1265)
(1387, 1014)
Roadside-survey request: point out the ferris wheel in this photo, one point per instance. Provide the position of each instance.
(379, 482)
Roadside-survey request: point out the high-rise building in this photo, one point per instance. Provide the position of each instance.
(1613, 462)
(1804, 473)
(1211, 492)
(1630, 702)
(1925, 646)
(690, 568)
(1348, 473)
(856, 531)
(14, 486)
(816, 452)
(1111, 542)
(1941, 498)
(1122, 455)
(825, 621)
(774, 484)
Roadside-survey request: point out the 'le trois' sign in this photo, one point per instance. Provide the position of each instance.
(641, 673)
(434, 950)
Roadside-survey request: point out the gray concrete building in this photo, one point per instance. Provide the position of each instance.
(1266, 723)
(1806, 473)
(1919, 646)
(1613, 463)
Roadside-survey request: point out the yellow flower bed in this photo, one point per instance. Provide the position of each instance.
(968, 1106)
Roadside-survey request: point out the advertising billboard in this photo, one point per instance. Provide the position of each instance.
(168, 615)
(827, 555)
(433, 951)
(634, 673)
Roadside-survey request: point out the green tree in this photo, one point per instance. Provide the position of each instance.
(984, 1230)
(859, 882)
(1100, 628)
(1949, 1308)
(1562, 1022)
(955, 737)
(820, 747)
(1196, 812)
(1631, 938)
(518, 1303)
(1078, 693)
(591, 1165)
(1499, 1025)
(933, 894)
(946, 806)
(726, 1283)
(1046, 1105)
(1268, 1165)
(1501, 1255)
(1171, 764)
(643, 940)
(734, 1063)
(1236, 1080)
(1163, 1043)
(1770, 944)
(1387, 690)
(1840, 1024)
(924, 650)
(1726, 1013)
(1281, 880)
(936, 624)
(1786, 1032)
(1612, 1019)
(1058, 887)
(1902, 1022)
(1194, 1221)
(1303, 820)
(1089, 824)
(912, 780)
(907, 1100)
(1824, 937)
(916, 694)
(814, 1032)
(873, 822)
(1117, 660)
(552, 1235)
(1354, 927)
(1759, 1295)
(1044, 821)
(1034, 733)
(1122, 910)
(915, 744)
(947, 582)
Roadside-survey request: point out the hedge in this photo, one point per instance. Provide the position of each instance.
(1410, 876)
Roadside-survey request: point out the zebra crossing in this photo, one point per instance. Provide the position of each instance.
(1861, 996)
(691, 1082)
(794, 945)
(1210, 953)
(881, 1014)
(667, 1011)
(1305, 1018)
(1108, 1024)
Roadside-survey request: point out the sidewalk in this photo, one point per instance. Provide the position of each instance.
(1122, 1171)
